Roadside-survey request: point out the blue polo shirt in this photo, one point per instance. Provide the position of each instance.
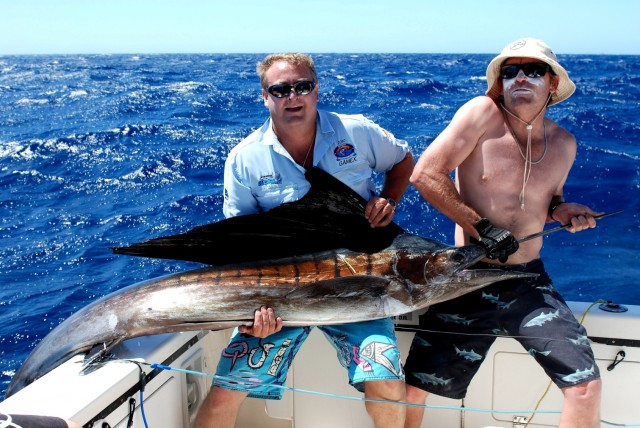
(259, 173)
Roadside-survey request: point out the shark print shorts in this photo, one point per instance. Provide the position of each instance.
(455, 335)
(259, 367)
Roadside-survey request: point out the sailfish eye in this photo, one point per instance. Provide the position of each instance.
(458, 257)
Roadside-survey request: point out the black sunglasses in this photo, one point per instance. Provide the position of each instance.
(282, 90)
(530, 69)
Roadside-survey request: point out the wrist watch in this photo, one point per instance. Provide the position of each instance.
(392, 202)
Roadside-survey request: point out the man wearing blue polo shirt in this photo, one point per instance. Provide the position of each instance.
(266, 170)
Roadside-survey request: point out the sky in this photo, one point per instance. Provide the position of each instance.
(315, 26)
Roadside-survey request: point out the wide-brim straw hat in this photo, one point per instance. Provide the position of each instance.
(529, 48)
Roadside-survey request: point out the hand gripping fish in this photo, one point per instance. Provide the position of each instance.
(324, 265)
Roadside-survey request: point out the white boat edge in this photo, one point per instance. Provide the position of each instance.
(503, 394)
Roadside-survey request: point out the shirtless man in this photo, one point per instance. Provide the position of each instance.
(511, 165)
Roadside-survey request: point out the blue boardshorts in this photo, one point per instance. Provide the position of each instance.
(458, 333)
(368, 350)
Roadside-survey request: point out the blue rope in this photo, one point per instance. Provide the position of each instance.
(345, 397)
(144, 416)
(143, 383)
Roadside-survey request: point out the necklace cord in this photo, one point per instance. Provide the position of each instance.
(528, 162)
(304, 163)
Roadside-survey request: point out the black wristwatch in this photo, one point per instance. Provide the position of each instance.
(393, 203)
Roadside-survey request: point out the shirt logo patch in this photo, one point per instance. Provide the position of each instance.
(270, 179)
(345, 153)
(344, 150)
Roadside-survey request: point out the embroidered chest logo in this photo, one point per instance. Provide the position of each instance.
(345, 153)
(269, 179)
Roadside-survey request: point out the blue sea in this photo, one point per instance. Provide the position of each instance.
(98, 151)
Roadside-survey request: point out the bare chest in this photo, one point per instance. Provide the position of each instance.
(504, 162)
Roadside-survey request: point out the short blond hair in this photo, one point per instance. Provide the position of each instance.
(295, 59)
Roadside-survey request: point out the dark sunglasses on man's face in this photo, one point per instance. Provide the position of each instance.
(282, 90)
(530, 69)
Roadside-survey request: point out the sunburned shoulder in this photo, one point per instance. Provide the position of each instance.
(481, 102)
(559, 134)
(480, 111)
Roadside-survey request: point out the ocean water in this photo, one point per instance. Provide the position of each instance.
(99, 151)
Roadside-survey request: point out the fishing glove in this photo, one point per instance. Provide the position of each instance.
(499, 243)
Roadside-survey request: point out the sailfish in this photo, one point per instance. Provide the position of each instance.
(316, 261)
